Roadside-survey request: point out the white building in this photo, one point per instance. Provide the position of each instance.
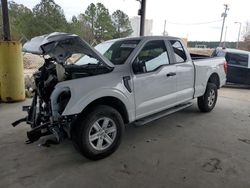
(135, 24)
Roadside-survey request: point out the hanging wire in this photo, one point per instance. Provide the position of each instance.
(198, 23)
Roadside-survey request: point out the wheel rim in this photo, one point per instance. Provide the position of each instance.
(102, 133)
(211, 98)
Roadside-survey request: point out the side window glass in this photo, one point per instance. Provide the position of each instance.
(237, 59)
(179, 52)
(152, 56)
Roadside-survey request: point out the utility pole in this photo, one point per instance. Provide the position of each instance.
(237, 44)
(142, 13)
(6, 24)
(225, 38)
(164, 31)
(224, 15)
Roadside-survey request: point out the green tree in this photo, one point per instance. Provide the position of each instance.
(246, 31)
(95, 25)
(122, 24)
(99, 20)
(90, 17)
(21, 19)
(79, 26)
(103, 25)
(245, 45)
(75, 26)
(49, 17)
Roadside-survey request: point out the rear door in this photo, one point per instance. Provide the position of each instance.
(238, 69)
(184, 72)
(155, 82)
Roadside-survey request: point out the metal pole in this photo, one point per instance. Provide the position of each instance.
(6, 24)
(142, 13)
(224, 15)
(164, 31)
(237, 44)
(225, 38)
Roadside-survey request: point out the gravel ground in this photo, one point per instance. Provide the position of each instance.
(186, 149)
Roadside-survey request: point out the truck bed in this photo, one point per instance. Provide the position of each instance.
(205, 66)
(199, 56)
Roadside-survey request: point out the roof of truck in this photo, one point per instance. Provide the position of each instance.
(145, 37)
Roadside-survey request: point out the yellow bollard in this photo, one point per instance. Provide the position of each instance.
(11, 72)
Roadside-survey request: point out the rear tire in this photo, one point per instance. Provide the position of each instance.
(98, 134)
(207, 102)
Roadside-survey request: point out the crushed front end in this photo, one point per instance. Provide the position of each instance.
(44, 113)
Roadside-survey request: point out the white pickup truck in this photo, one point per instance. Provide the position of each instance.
(121, 81)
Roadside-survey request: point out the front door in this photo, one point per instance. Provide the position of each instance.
(154, 80)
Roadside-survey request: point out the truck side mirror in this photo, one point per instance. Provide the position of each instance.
(139, 66)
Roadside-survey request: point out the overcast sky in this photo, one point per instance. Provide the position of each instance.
(184, 12)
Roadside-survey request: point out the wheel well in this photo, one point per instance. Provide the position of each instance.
(109, 101)
(214, 78)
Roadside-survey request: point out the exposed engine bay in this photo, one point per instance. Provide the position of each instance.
(40, 112)
(44, 114)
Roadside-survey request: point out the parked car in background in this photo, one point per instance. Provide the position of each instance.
(238, 61)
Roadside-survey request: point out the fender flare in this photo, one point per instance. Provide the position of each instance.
(77, 106)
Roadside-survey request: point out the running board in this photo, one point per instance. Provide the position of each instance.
(161, 114)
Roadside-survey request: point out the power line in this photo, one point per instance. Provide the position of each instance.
(197, 23)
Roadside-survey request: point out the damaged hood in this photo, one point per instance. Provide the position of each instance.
(61, 46)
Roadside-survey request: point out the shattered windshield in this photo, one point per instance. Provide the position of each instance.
(115, 51)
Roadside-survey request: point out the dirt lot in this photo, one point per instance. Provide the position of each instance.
(185, 149)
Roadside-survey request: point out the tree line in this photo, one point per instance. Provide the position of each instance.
(210, 44)
(96, 24)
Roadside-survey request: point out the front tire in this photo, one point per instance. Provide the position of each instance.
(98, 134)
(207, 102)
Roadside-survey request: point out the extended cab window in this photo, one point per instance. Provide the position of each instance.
(153, 55)
(237, 59)
(179, 52)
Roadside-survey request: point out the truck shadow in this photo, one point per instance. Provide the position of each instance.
(166, 124)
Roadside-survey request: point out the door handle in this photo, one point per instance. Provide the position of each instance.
(171, 74)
